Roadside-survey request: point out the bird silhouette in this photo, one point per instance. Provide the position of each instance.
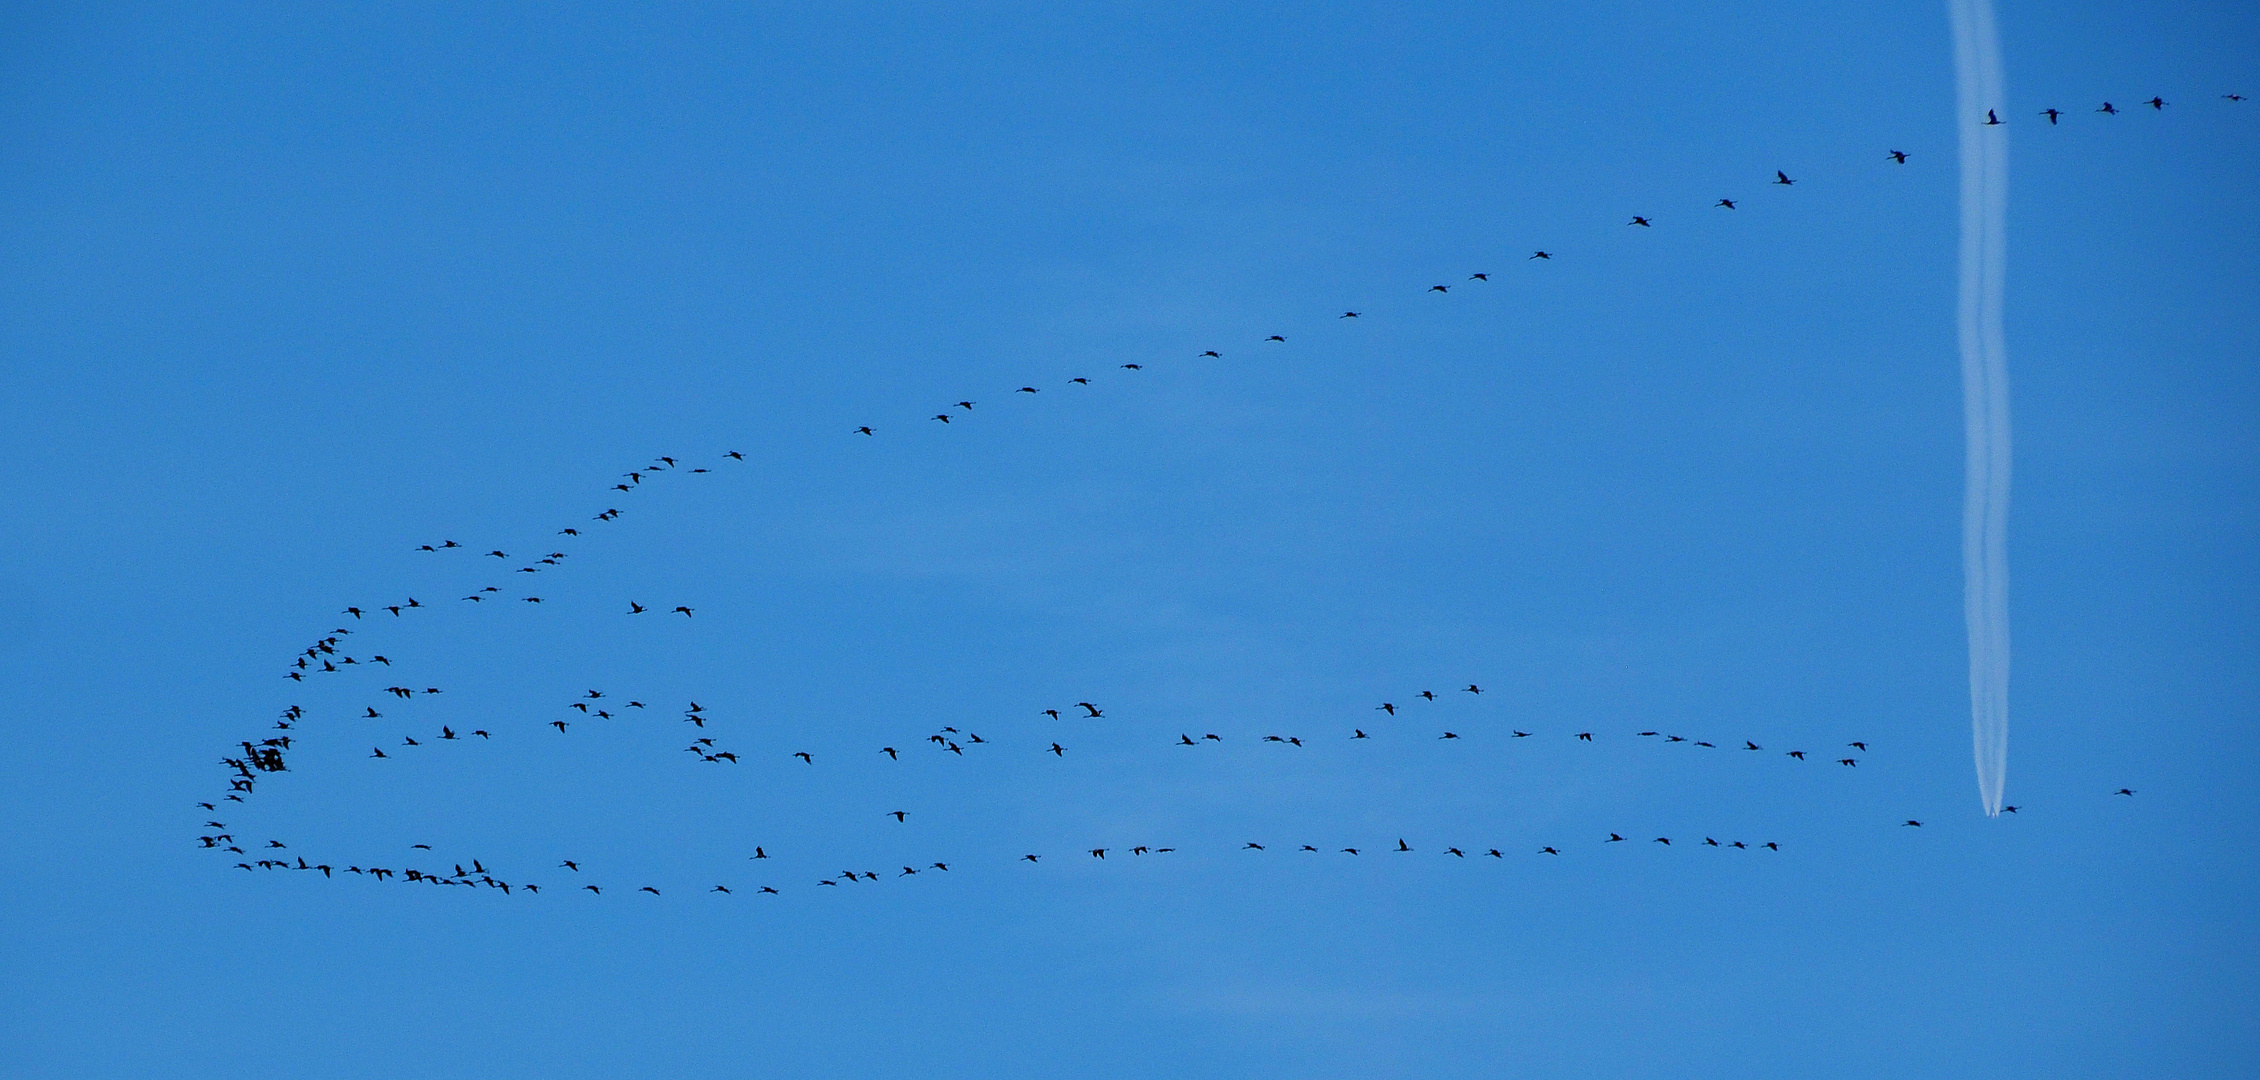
(2124, 791)
(1402, 846)
(1541, 255)
(1728, 203)
(1782, 178)
(2107, 107)
(1911, 822)
(1990, 119)
(1898, 156)
(2157, 103)
(2051, 114)
(803, 755)
(1640, 221)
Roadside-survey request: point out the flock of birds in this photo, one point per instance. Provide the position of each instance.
(333, 653)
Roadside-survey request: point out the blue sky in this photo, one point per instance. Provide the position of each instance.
(284, 296)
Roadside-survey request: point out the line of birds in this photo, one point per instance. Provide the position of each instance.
(324, 656)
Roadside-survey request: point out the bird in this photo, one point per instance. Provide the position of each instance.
(899, 815)
(1640, 221)
(1359, 733)
(1213, 738)
(1448, 735)
(2051, 114)
(1184, 740)
(1098, 853)
(1084, 382)
(1440, 288)
(1350, 314)
(1990, 119)
(1748, 745)
(1860, 746)
(373, 752)
(1911, 822)
(1276, 337)
(803, 755)
(770, 891)
(1613, 839)
(1479, 277)
(720, 889)
(1898, 156)
(2008, 809)
(2157, 103)
(2124, 791)
(635, 608)
(1133, 367)
(1471, 688)
(2107, 107)
(1728, 203)
(1027, 390)
(1386, 707)
(890, 752)
(1093, 709)
(1213, 353)
(1782, 178)
(1848, 762)
(1429, 694)
(758, 853)
(1030, 858)
(966, 405)
(571, 865)
(1402, 846)
(1351, 850)
(649, 889)
(1541, 255)
(1455, 851)
(863, 431)
(1254, 846)
(1771, 846)
(1664, 840)
(594, 889)
(1548, 851)
(943, 417)
(941, 866)
(1053, 713)
(1521, 734)
(1798, 754)
(906, 872)
(1058, 750)
(1585, 736)
(2232, 97)
(686, 612)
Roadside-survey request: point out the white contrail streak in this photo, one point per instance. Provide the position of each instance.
(1985, 388)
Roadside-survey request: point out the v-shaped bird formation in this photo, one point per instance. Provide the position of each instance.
(1429, 715)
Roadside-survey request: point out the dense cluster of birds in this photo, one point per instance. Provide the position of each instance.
(333, 653)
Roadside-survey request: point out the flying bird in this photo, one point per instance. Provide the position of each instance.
(2051, 114)
(1898, 156)
(1640, 221)
(1440, 288)
(1990, 119)
(1782, 178)
(2157, 103)
(1728, 203)
(1214, 353)
(1911, 822)
(863, 431)
(686, 612)
(2108, 108)
(1275, 337)
(1349, 315)
(1540, 255)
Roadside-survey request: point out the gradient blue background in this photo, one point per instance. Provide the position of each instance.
(284, 294)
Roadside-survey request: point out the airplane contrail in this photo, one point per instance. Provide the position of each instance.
(1985, 388)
